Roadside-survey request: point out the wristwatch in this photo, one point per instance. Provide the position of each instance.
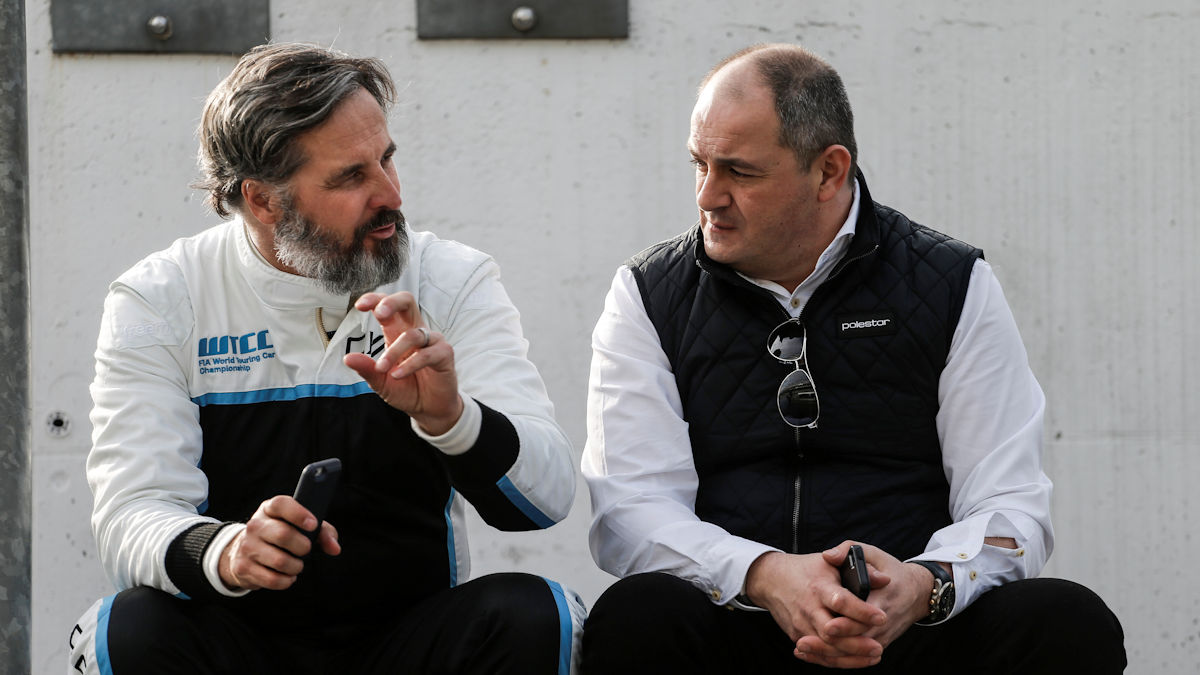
(941, 599)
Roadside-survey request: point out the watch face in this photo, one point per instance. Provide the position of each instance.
(946, 602)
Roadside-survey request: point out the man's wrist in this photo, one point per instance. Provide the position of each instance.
(755, 587)
(216, 555)
(460, 436)
(440, 425)
(936, 605)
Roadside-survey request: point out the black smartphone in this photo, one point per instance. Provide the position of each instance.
(854, 573)
(315, 489)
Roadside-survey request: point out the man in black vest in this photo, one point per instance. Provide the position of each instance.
(804, 370)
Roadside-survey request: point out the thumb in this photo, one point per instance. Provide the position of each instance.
(837, 554)
(328, 539)
(365, 367)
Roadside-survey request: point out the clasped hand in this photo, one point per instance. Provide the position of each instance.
(829, 625)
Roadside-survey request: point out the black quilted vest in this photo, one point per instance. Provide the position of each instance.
(871, 470)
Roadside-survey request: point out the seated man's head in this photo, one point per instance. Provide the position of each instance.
(772, 139)
(295, 140)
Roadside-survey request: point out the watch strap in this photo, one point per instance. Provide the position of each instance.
(941, 597)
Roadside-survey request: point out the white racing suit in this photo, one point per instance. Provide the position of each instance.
(218, 377)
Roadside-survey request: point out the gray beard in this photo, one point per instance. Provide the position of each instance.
(307, 248)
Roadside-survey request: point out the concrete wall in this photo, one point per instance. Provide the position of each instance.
(1060, 137)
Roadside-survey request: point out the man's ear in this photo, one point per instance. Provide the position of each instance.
(262, 200)
(834, 164)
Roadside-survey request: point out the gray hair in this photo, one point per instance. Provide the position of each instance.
(275, 93)
(810, 99)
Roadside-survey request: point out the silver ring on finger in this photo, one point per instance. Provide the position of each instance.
(424, 336)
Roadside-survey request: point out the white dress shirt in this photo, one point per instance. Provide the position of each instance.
(638, 458)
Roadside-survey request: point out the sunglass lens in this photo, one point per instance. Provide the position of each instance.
(786, 342)
(798, 399)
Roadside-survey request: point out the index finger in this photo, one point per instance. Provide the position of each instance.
(285, 508)
(401, 305)
(397, 313)
(845, 604)
(837, 554)
(850, 653)
(367, 301)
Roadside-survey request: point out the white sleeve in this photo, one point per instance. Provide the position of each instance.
(490, 357)
(146, 442)
(990, 427)
(638, 461)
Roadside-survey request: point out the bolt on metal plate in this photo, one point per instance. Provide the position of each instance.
(522, 19)
(209, 27)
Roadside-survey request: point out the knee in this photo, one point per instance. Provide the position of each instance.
(643, 607)
(651, 623)
(530, 623)
(1096, 624)
(1069, 623)
(508, 602)
(130, 632)
(1061, 602)
(141, 618)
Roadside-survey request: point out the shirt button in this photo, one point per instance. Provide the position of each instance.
(962, 555)
(716, 594)
(974, 575)
(795, 302)
(1020, 553)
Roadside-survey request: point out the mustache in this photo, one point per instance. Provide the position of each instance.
(381, 219)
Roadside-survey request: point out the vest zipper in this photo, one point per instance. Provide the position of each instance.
(798, 483)
(843, 265)
(796, 506)
(796, 432)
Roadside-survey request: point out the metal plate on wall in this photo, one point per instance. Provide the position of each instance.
(517, 19)
(205, 26)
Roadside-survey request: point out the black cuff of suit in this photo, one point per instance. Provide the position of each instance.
(185, 560)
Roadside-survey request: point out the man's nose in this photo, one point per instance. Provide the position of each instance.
(387, 192)
(711, 193)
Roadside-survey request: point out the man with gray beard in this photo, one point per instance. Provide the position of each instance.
(314, 325)
(302, 245)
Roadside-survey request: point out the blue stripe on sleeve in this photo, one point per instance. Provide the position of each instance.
(283, 394)
(450, 542)
(100, 642)
(565, 632)
(523, 505)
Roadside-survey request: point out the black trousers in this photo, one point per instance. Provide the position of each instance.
(656, 623)
(500, 623)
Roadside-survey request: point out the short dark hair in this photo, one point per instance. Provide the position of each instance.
(274, 94)
(810, 99)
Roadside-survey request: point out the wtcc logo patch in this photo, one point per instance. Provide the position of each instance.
(234, 353)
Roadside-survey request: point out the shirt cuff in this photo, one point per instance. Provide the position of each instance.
(746, 553)
(978, 567)
(212, 560)
(462, 436)
(743, 603)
